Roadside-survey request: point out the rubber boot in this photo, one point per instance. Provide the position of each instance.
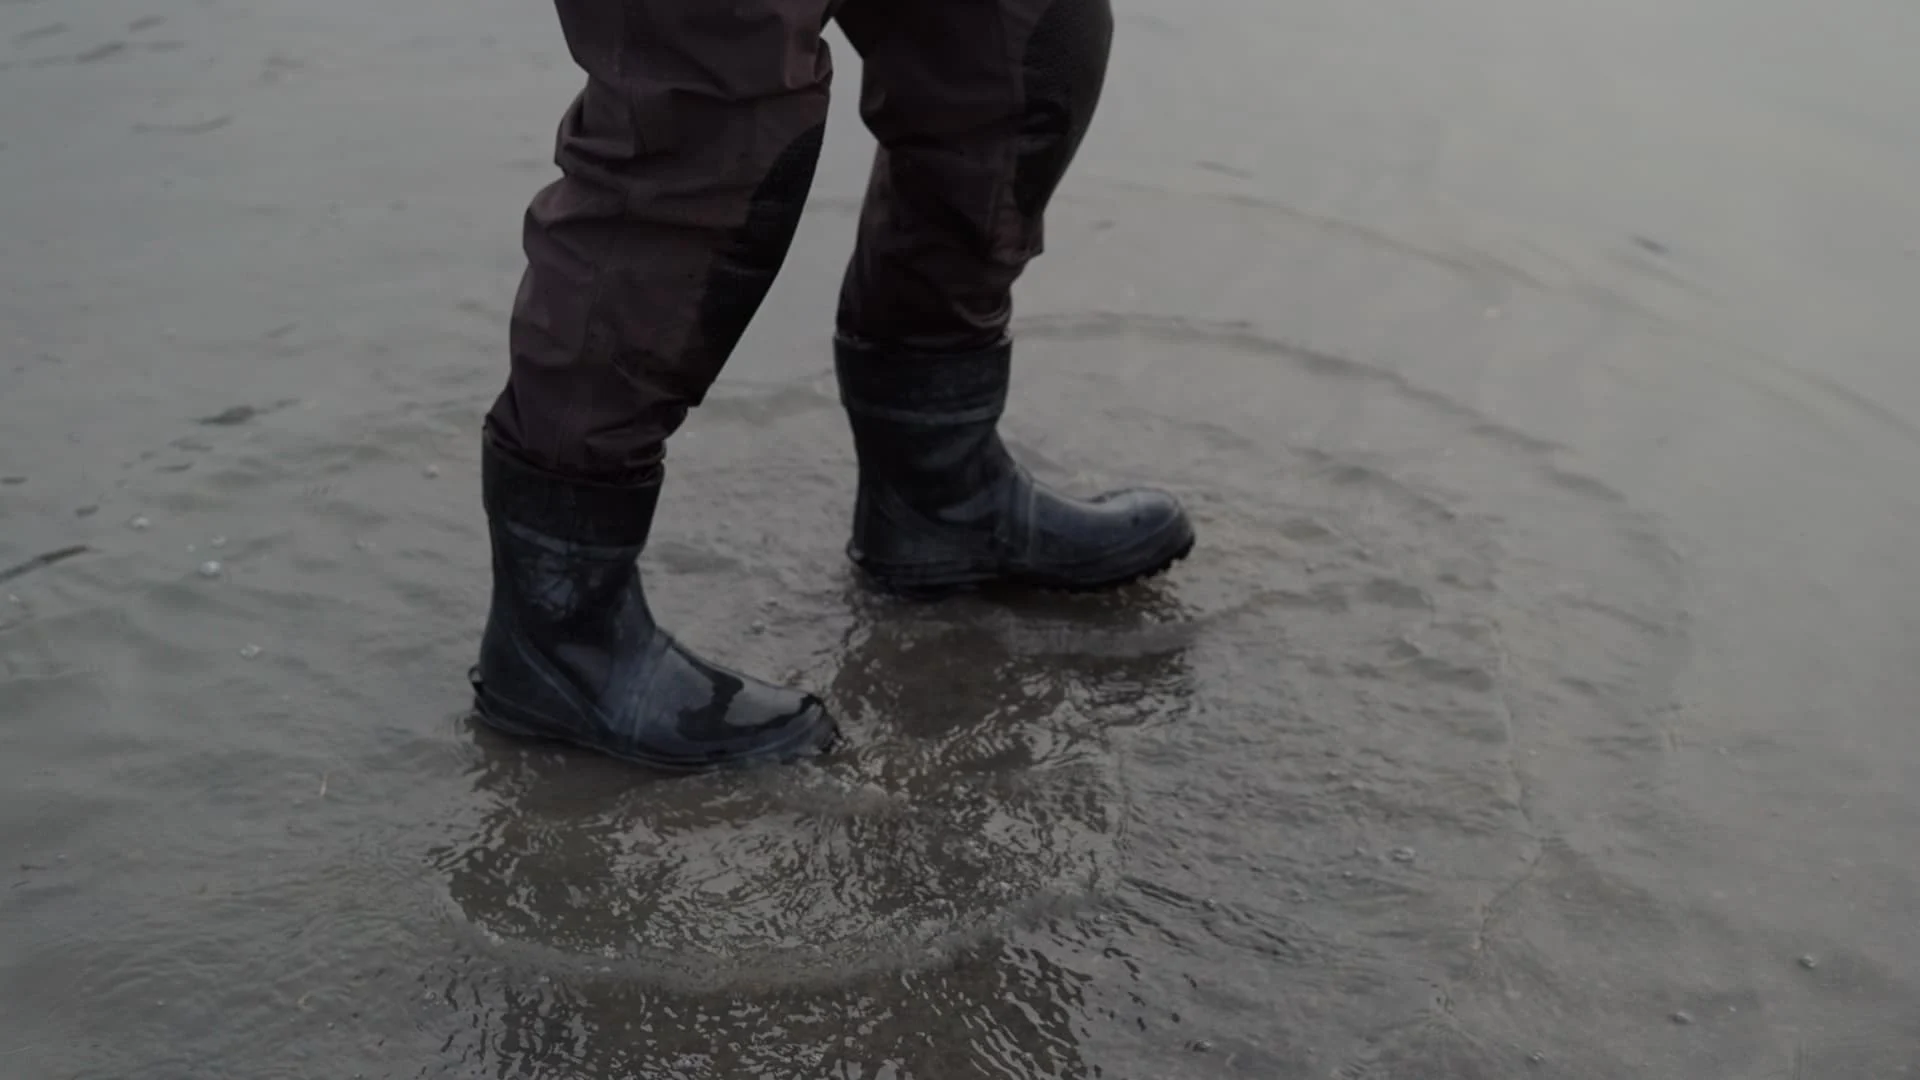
(942, 505)
(572, 653)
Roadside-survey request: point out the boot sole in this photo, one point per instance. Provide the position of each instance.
(923, 586)
(812, 740)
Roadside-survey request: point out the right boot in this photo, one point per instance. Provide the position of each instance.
(571, 651)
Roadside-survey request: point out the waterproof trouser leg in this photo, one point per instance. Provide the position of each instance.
(979, 110)
(685, 164)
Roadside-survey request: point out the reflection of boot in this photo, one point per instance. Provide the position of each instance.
(942, 505)
(572, 653)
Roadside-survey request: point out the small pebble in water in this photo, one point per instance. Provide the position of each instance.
(1536, 1058)
(1809, 963)
(1403, 855)
(1200, 1046)
(211, 569)
(433, 470)
(1682, 1018)
(141, 524)
(759, 626)
(248, 652)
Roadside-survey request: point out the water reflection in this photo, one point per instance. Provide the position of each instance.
(869, 917)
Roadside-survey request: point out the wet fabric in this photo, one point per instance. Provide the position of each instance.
(686, 163)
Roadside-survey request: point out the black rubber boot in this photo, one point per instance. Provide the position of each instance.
(571, 652)
(943, 506)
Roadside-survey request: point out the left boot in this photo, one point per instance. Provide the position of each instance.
(942, 505)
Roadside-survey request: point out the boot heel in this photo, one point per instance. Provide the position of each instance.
(495, 714)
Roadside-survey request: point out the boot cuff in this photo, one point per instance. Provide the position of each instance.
(889, 383)
(581, 511)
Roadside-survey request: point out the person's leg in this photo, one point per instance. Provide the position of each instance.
(686, 163)
(685, 167)
(979, 107)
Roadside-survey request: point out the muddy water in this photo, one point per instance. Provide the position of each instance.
(1538, 703)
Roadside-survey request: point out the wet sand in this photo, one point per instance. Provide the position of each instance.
(1539, 701)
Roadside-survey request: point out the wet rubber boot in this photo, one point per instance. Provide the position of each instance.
(572, 653)
(942, 505)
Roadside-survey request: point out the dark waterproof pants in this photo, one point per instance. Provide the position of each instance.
(685, 167)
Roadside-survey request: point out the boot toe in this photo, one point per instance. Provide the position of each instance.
(694, 714)
(780, 726)
(1150, 511)
(1109, 540)
(750, 735)
(1157, 531)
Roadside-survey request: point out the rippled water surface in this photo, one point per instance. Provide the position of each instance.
(1539, 701)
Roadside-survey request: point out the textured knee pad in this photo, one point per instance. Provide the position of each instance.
(1064, 68)
(752, 254)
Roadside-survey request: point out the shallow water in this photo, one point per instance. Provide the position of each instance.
(1538, 702)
